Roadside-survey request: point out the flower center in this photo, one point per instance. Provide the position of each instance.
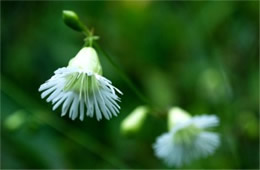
(186, 135)
(81, 83)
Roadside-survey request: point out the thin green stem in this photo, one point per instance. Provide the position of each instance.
(86, 31)
(118, 69)
(123, 75)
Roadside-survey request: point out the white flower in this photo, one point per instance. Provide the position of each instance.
(188, 140)
(81, 89)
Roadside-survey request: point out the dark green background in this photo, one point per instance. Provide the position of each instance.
(201, 56)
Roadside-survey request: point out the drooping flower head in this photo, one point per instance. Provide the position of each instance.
(189, 138)
(81, 89)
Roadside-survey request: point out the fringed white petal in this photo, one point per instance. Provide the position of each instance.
(206, 121)
(95, 96)
(203, 144)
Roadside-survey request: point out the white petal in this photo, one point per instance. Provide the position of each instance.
(54, 94)
(47, 92)
(99, 98)
(59, 102)
(47, 85)
(206, 121)
(81, 110)
(66, 104)
(74, 108)
(97, 111)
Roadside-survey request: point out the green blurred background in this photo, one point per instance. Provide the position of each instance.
(201, 56)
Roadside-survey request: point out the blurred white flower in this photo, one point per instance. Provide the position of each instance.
(188, 139)
(82, 89)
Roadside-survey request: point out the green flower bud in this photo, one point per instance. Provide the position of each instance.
(71, 19)
(15, 120)
(134, 121)
(177, 115)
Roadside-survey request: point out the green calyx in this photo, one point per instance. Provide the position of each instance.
(90, 39)
(87, 60)
(177, 115)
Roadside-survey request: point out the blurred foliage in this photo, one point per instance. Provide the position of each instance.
(201, 56)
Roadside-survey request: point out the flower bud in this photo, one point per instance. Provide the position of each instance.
(71, 19)
(15, 120)
(134, 121)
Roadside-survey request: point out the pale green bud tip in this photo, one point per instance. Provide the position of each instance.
(134, 121)
(87, 59)
(177, 115)
(71, 19)
(15, 120)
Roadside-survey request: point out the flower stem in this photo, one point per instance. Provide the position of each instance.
(91, 37)
(123, 75)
